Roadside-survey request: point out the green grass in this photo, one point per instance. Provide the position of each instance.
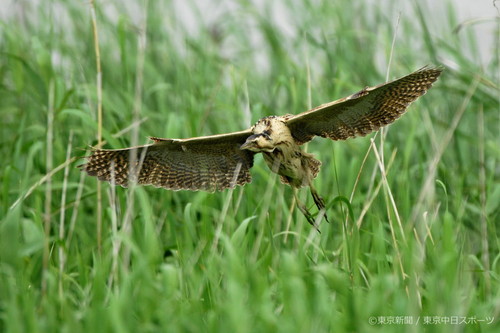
(420, 242)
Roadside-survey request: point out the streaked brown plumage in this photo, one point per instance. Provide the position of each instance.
(218, 162)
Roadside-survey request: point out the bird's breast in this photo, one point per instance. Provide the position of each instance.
(287, 162)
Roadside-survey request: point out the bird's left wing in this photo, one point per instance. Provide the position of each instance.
(205, 163)
(362, 112)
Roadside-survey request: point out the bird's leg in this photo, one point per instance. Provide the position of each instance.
(318, 200)
(304, 210)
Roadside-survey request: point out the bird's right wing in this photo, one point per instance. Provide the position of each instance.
(363, 112)
(205, 163)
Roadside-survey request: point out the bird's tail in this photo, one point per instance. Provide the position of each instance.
(318, 200)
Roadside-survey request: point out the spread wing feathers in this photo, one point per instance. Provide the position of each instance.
(363, 112)
(204, 163)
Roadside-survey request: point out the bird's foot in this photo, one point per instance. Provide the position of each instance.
(323, 211)
(320, 203)
(309, 217)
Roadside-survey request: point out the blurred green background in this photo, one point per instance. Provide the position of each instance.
(411, 249)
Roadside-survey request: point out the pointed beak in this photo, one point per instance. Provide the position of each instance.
(246, 145)
(249, 143)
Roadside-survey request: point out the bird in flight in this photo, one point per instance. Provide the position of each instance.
(218, 162)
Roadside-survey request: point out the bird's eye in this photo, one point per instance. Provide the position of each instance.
(266, 135)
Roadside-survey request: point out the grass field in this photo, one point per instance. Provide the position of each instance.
(413, 241)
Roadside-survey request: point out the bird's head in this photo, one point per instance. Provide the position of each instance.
(258, 143)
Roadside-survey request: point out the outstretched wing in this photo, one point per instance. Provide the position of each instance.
(206, 163)
(363, 112)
